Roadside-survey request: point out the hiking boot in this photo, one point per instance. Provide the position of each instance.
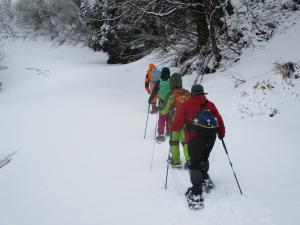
(160, 138)
(175, 164)
(208, 185)
(168, 134)
(195, 201)
(154, 109)
(195, 198)
(186, 164)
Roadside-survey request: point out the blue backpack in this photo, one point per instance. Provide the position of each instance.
(205, 122)
(155, 76)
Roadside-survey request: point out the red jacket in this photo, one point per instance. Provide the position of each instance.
(188, 109)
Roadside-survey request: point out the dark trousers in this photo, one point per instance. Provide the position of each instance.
(199, 149)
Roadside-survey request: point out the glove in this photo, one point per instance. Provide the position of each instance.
(220, 136)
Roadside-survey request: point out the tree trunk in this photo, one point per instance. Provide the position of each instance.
(213, 40)
(214, 22)
(202, 30)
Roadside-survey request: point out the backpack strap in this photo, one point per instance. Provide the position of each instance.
(204, 104)
(188, 126)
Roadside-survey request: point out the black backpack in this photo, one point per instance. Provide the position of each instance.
(205, 122)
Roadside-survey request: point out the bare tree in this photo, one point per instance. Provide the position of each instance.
(152, 24)
(56, 19)
(189, 27)
(6, 19)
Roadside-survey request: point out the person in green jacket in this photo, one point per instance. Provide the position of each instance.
(162, 89)
(175, 98)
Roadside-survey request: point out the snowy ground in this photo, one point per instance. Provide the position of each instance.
(77, 126)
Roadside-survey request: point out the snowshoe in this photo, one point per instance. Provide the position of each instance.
(160, 139)
(175, 165)
(208, 185)
(154, 109)
(186, 164)
(194, 202)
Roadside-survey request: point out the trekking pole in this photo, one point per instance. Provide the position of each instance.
(231, 166)
(167, 174)
(168, 161)
(153, 149)
(147, 121)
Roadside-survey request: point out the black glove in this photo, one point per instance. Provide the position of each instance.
(220, 137)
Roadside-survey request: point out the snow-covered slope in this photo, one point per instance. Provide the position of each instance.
(77, 126)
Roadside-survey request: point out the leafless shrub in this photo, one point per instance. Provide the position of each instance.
(5, 160)
(264, 85)
(287, 70)
(291, 5)
(238, 79)
(296, 1)
(273, 112)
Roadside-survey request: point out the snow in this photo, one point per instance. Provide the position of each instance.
(77, 126)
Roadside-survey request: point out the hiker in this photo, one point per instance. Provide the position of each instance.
(162, 89)
(152, 76)
(200, 142)
(176, 97)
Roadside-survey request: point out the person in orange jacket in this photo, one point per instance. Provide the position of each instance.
(149, 85)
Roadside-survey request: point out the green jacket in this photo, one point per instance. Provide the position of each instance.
(167, 104)
(164, 89)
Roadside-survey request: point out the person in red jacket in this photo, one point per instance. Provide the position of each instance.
(199, 146)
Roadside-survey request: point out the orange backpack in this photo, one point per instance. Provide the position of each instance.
(180, 96)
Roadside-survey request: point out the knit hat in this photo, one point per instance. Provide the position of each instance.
(165, 74)
(175, 81)
(197, 89)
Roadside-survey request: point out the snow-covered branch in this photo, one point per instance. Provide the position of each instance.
(7, 159)
(6, 19)
(144, 10)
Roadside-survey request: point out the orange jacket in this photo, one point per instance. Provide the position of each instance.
(148, 78)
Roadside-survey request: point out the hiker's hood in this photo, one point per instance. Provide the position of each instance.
(175, 81)
(165, 74)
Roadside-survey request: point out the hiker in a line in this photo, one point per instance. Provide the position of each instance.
(162, 89)
(174, 99)
(150, 81)
(200, 138)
